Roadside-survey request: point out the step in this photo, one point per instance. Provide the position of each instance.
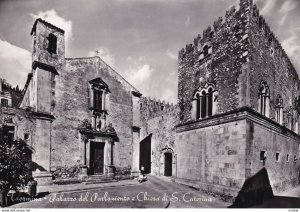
(87, 182)
(93, 180)
(99, 177)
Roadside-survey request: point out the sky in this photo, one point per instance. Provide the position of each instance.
(140, 39)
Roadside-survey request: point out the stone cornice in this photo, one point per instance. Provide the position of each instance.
(47, 24)
(94, 133)
(44, 66)
(41, 115)
(244, 113)
(136, 93)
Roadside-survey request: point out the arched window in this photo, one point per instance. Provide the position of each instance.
(52, 43)
(279, 110)
(210, 102)
(205, 50)
(204, 102)
(264, 99)
(198, 106)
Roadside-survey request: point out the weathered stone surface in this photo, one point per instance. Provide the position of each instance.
(221, 152)
(159, 119)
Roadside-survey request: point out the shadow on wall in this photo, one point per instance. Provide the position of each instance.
(35, 166)
(256, 190)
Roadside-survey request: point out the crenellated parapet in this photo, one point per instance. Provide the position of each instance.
(276, 48)
(151, 108)
(208, 34)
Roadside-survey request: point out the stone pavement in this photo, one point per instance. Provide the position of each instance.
(83, 187)
(295, 192)
(121, 194)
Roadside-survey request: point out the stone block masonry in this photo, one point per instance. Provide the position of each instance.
(214, 156)
(254, 125)
(221, 65)
(220, 153)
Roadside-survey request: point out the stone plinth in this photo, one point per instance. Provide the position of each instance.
(83, 171)
(43, 178)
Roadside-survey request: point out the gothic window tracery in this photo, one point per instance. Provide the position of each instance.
(205, 102)
(264, 99)
(279, 110)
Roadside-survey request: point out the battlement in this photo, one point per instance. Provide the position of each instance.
(151, 108)
(245, 11)
(208, 33)
(273, 41)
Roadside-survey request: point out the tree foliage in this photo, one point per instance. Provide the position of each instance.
(14, 164)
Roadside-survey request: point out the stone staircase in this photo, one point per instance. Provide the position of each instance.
(96, 179)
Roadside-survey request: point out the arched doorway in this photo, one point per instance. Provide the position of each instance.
(168, 164)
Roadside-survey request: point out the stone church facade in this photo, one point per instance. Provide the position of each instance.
(75, 111)
(237, 111)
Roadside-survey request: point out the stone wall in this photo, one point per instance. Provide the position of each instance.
(213, 157)
(225, 153)
(24, 123)
(159, 118)
(222, 66)
(269, 62)
(40, 34)
(283, 174)
(72, 109)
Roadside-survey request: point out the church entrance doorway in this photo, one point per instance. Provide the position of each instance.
(145, 154)
(168, 164)
(97, 158)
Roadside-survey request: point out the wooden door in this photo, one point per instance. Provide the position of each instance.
(97, 158)
(168, 164)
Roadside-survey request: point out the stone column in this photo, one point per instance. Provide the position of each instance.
(215, 102)
(94, 122)
(281, 115)
(267, 103)
(103, 121)
(296, 128)
(109, 157)
(135, 171)
(83, 166)
(42, 155)
(97, 122)
(194, 109)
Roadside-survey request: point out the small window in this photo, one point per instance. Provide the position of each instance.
(97, 100)
(141, 105)
(272, 51)
(52, 43)
(162, 107)
(206, 50)
(277, 156)
(26, 136)
(295, 158)
(262, 155)
(4, 102)
(287, 158)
